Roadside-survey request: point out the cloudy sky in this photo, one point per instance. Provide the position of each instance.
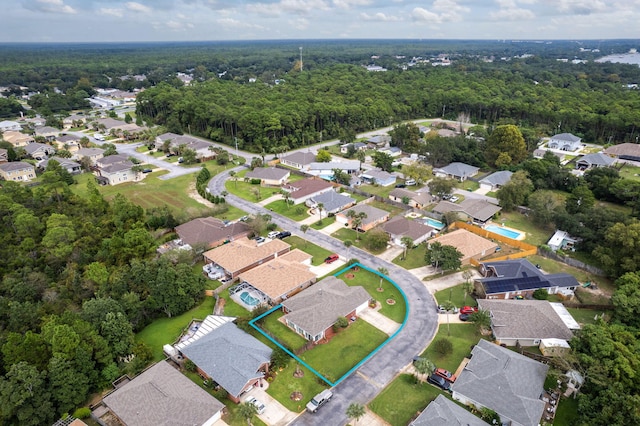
(177, 20)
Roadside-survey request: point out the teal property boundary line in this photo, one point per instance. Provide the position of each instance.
(252, 323)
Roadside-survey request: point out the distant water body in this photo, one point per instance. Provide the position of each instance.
(626, 58)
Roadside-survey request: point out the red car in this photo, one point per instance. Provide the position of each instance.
(332, 258)
(445, 374)
(468, 309)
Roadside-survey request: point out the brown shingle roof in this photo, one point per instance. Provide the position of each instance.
(243, 252)
(308, 186)
(624, 149)
(467, 243)
(208, 230)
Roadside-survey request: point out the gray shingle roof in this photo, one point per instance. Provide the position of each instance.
(318, 307)
(373, 213)
(401, 226)
(525, 319)
(333, 201)
(208, 230)
(342, 165)
(504, 381)
(568, 137)
(478, 209)
(229, 356)
(35, 146)
(300, 157)
(162, 396)
(444, 412)
(458, 170)
(269, 173)
(597, 159)
(378, 175)
(16, 165)
(498, 178)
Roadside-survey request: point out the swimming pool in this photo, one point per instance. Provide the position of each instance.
(514, 235)
(248, 299)
(434, 223)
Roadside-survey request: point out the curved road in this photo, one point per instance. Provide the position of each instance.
(364, 384)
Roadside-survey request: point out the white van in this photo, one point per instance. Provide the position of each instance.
(410, 182)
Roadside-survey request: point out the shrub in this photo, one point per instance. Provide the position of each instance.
(190, 366)
(342, 322)
(443, 346)
(82, 413)
(255, 181)
(540, 294)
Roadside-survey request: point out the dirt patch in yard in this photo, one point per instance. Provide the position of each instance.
(193, 193)
(350, 276)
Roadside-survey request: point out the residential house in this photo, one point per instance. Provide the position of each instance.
(69, 122)
(540, 153)
(4, 155)
(477, 210)
(332, 202)
(161, 395)
(561, 240)
(66, 163)
(565, 142)
(504, 381)
(120, 128)
(117, 173)
(592, 161)
(110, 160)
(298, 160)
(93, 154)
(554, 347)
(444, 412)
(7, 125)
(399, 226)
(471, 246)
(313, 312)
(418, 200)
(47, 132)
(518, 278)
(374, 216)
(243, 254)
(527, 322)
(393, 151)
(235, 360)
(496, 180)
(39, 151)
(211, 232)
(325, 170)
(459, 171)
(300, 191)
(17, 171)
(271, 176)
(379, 177)
(70, 143)
(280, 278)
(357, 146)
(624, 151)
(18, 139)
(379, 141)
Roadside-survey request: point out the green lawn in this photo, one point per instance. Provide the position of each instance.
(551, 266)
(231, 308)
(287, 337)
(371, 282)
(468, 185)
(319, 254)
(326, 221)
(535, 235)
(382, 191)
(346, 349)
(566, 413)
(414, 259)
(403, 399)
(586, 316)
(297, 213)
(387, 207)
(630, 172)
(167, 330)
(463, 336)
(284, 384)
(358, 239)
(245, 190)
(456, 295)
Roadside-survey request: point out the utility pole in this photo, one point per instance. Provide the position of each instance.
(300, 58)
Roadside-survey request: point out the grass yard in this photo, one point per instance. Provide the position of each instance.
(356, 197)
(463, 336)
(468, 185)
(414, 259)
(319, 254)
(535, 235)
(345, 234)
(566, 413)
(346, 349)
(326, 221)
(551, 266)
(387, 207)
(297, 213)
(630, 172)
(456, 295)
(167, 330)
(231, 308)
(403, 399)
(371, 282)
(287, 337)
(382, 191)
(245, 190)
(284, 384)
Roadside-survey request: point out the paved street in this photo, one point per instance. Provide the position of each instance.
(363, 385)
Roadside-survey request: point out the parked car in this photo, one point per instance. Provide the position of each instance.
(442, 310)
(439, 382)
(454, 199)
(332, 258)
(445, 374)
(468, 309)
(260, 240)
(319, 400)
(410, 182)
(464, 317)
(244, 218)
(401, 185)
(273, 234)
(284, 234)
(147, 171)
(259, 405)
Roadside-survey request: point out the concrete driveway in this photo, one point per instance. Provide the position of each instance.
(275, 414)
(371, 377)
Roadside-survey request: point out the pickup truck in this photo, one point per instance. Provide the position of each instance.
(319, 400)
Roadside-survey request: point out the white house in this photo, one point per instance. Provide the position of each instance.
(565, 142)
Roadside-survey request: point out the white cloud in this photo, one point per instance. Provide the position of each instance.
(423, 15)
(234, 23)
(445, 11)
(51, 6)
(347, 4)
(283, 7)
(300, 23)
(112, 12)
(512, 14)
(137, 7)
(580, 7)
(178, 26)
(381, 17)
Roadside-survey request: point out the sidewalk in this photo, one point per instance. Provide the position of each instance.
(379, 321)
(270, 200)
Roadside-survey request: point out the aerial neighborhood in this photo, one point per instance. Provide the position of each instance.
(162, 267)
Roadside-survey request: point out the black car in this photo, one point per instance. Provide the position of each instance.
(147, 171)
(283, 234)
(401, 185)
(439, 382)
(464, 317)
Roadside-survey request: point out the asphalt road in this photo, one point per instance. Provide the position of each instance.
(364, 384)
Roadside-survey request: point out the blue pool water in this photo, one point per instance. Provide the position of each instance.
(248, 299)
(504, 232)
(434, 223)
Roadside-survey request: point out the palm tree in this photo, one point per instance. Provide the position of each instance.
(407, 243)
(304, 229)
(482, 319)
(247, 411)
(424, 366)
(320, 206)
(355, 411)
(287, 196)
(348, 244)
(448, 306)
(256, 193)
(383, 271)
(467, 286)
(233, 176)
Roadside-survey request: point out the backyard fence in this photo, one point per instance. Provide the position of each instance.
(571, 262)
